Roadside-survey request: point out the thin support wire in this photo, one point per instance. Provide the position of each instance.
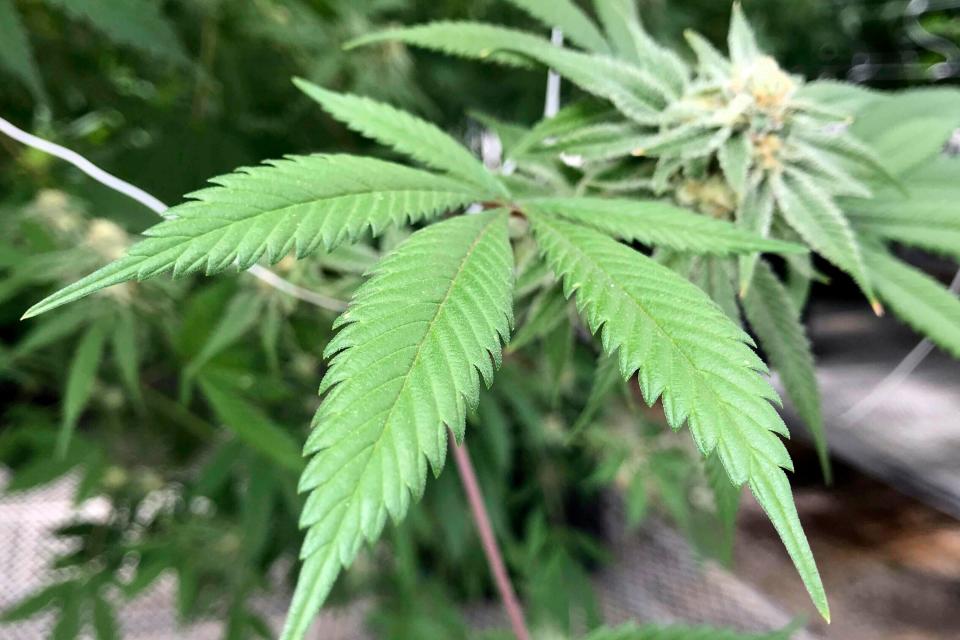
(551, 103)
(135, 193)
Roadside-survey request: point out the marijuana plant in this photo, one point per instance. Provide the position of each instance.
(651, 203)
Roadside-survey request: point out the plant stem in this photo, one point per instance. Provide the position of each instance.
(494, 558)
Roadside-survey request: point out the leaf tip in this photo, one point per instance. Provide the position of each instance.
(34, 311)
(878, 309)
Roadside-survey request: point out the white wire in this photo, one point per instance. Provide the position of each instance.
(552, 101)
(158, 207)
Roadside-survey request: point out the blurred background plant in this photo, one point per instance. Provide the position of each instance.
(184, 400)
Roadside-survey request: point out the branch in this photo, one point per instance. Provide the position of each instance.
(494, 558)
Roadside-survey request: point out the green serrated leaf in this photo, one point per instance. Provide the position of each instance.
(917, 299)
(616, 16)
(821, 223)
(688, 352)
(909, 127)
(126, 353)
(240, 316)
(735, 157)
(301, 203)
(778, 326)
(634, 91)
(623, 25)
(741, 41)
(754, 214)
(569, 18)
(715, 277)
(569, 119)
(846, 147)
(52, 330)
(250, 425)
(687, 141)
(547, 311)
(406, 133)
(846, 97)
(659, 223)
(726, 499)
(923, 220)
(81, 376)
(406, 365)
(710, 62)
(830, 175)
(606, 377)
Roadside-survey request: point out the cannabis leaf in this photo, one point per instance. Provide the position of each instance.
(635, 91)
(818, 219)
(407, 134)
(406, 364)
(926, 216)
(569, 18)
(621, 21)
(685, 350)
(299, 203)
(777, 324)
(659, 223)
(80, 379)
(918, 299)
(741, 40)
(755, 214)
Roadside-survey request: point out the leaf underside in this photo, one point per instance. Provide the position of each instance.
(406, 365)
(688, 353)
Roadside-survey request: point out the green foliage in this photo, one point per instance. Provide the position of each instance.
(570, 19)
(917, 298)
(776, 321)
(660, 224)
(16, 55)
(407, 365)
(80, 380)
(633, 90)
(407, 134)
(253, 222)
(706, 166)
(683, 348)
(654, 632)
(821, 223)
(134, 23)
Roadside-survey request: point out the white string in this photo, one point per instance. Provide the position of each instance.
(552, 101)
(158, 207)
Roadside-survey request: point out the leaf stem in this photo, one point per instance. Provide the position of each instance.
(490, 548)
